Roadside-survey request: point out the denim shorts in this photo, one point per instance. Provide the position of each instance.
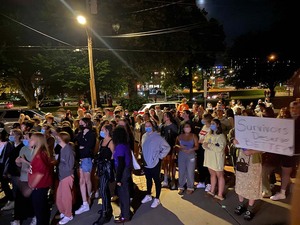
(86, 164)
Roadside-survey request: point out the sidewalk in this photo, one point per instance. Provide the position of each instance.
(194, 209)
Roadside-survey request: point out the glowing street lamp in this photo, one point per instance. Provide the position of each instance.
(82, 20)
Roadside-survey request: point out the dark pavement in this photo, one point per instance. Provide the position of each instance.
(194, 209)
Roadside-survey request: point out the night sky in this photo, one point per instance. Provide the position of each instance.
(237, 16)
(241, 16)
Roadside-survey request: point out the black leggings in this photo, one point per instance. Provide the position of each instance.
(153, 173)
(105, 193)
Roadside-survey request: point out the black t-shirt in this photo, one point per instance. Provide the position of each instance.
(169, 132)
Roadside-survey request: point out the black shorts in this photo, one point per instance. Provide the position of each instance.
(289, 161)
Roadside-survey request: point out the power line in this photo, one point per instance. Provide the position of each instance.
(35, 30)
(81, 48)
(154, 8)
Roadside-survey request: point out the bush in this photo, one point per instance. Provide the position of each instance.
(133, 104)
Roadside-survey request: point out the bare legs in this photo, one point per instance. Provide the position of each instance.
(217, 177)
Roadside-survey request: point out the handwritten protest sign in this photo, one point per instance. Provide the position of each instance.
(265, 134)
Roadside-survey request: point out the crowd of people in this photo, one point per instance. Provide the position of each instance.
(92, 151)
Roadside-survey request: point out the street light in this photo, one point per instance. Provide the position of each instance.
(82, 20)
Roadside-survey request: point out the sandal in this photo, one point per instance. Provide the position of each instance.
(211, 193)
(221, 198)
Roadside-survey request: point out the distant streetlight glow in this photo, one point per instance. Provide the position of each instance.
(81, 20)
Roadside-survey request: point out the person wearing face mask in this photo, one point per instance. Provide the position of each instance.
(66, 177)
(86, 141)
(21, 213)
(187, 144)
(214, 157)
(204, 177)
(105, 172)
(12, 172)
(154, 149)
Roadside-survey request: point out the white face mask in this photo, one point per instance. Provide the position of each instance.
(187, 129)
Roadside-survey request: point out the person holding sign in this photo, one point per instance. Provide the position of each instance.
(248, 183)
(214, 157)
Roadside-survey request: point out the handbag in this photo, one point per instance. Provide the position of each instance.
(24, 188)
(135, 163)
(242, 166)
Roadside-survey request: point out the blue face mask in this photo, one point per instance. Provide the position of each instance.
(102, 134)
(148, 129)
(213, 127)
(11, 138)
(26, 142)
(203, 121)
(43, 131)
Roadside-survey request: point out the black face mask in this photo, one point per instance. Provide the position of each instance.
(81, 127)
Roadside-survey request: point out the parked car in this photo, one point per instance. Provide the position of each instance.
(49, 103)
(11, 116)
(6, 105)
(155, 91)
(222, 95)
(198, 97)
(169, 105)
(175, 97)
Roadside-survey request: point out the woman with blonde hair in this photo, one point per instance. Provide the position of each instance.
(40, 177)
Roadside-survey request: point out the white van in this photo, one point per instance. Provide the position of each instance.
(169, 105)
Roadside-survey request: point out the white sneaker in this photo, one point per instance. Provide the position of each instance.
(65, 220)
(82, 209)
(207, 187)
(8, 206)
(33, 221)
(147, 198)
(15, 222)
(200, 185)
(278, 196)
(155, 203)
(60, 216)
(164, 184)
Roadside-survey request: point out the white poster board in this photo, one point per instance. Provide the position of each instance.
(265, 134)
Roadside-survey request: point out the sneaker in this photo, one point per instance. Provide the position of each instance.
(173, 185)
(200, 185)
(33, 221)
(155, 203)
(147, 198)
(82, 209)
(278, 196)
(164, 184)
(15, 222)
(60, 216)
(8, 206)
(207, 187)
(65, 220)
